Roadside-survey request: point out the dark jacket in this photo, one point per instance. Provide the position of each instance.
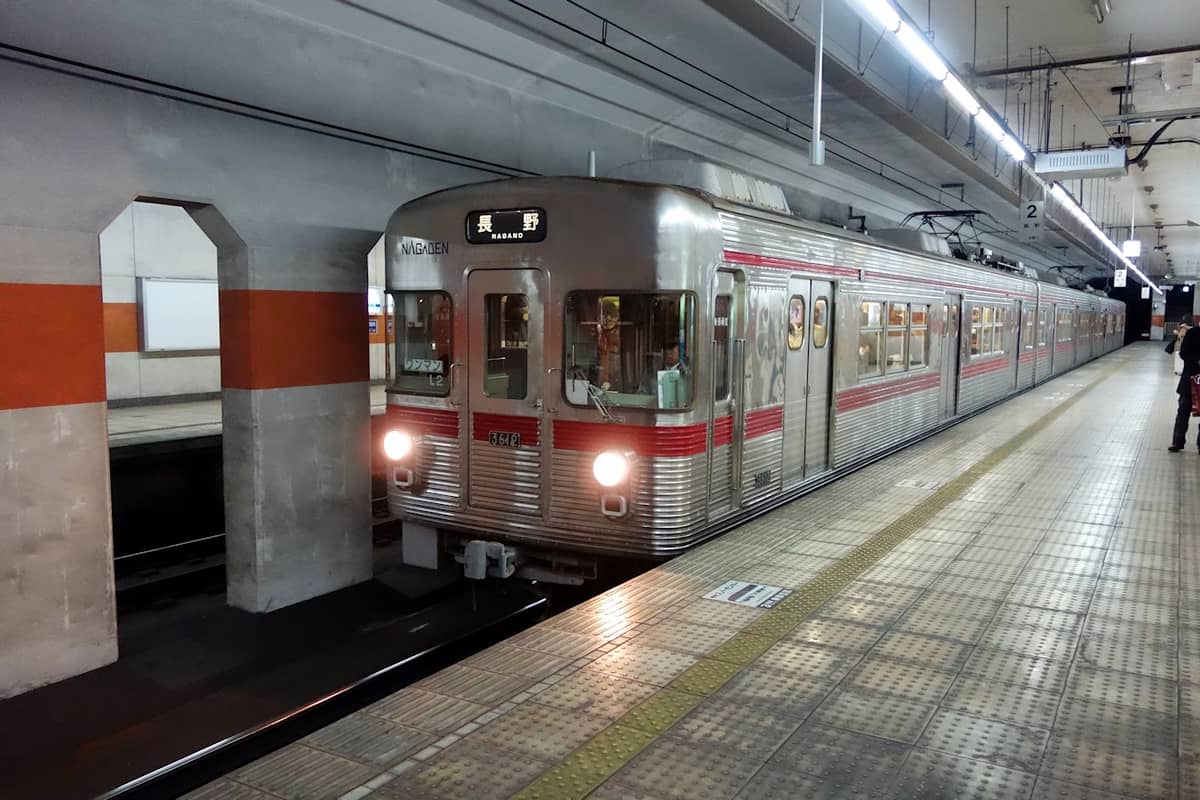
(1189, 352)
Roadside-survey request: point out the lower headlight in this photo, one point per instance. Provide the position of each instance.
(397, 445)
(610, 468)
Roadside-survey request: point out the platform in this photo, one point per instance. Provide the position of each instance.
(1009, 609)
(164, 422)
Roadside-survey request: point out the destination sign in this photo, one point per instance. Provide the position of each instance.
(506, 226)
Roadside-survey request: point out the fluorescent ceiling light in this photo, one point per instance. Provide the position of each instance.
(961, 95)
(1013, 148)
(884, 14)
(918, 47)
(989, 125)
(1068, 200)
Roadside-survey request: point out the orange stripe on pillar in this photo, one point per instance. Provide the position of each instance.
(51, 345)
(120, 328)
(275, 339)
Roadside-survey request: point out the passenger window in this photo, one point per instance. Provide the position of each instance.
(985, 332)
(796, 323)
(976, 331)
(918, 345)
(954, 321)
(721, 344)
(870, 339)
(506, 365)
(999, 333)
(897, 335)
(1028, 334)
(820, 323)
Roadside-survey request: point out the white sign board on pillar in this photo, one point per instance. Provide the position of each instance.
(1032, 220)
(1145, 292)
(1119, 276)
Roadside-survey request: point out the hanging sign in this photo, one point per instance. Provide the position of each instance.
(1032, 221)
(1145, 292)
(1119, 276)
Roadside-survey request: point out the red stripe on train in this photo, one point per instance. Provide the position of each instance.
(977, 368)
(764, 421)
(873, 393)
(434, 421)
(756, 260)
(484, 424)
(645, 440)
(722, 431)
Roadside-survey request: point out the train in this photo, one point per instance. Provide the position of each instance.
(585, 369)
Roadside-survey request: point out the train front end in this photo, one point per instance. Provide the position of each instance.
(547, 374)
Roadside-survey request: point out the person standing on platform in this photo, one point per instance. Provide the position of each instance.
(1189, 351)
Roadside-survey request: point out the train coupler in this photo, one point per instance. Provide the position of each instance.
(482, 559)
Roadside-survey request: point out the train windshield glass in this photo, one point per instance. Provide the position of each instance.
(631, 349)
(420, 362)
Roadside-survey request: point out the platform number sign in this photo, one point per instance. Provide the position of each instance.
(1032, 221)
(506, 226)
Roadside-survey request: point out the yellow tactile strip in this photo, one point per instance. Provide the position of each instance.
(611, 749)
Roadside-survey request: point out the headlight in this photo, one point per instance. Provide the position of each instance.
(610, 468)
(397, 445)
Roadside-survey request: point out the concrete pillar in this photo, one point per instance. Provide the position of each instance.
(296, 408)
(57, 606)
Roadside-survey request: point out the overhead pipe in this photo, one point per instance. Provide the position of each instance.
(816, 147)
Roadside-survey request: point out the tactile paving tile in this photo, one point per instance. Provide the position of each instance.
(973, 587)
(605, 626)
(984, 739)
(887, 716)
(839, 758)
(1117, 769)
(226, 789)
(1006, 667)
(948, 626)
(724, 724)
(1117, 725)
(919, 649)
(1015, 614)
(426, 710)
(715, 612)
(646, 664)
(807, 659)
(511, 660)
(684, 637)
(370, 739)
(299, 771)
(787, 693)
(1123, 688)
(475, 685)
(927, 774)
(1031, 641)
(540, 732)
(1138, 592)
(836, 634)
(1133, 611)
(1022, 705)
(595, 693)
(557, 642)
(672, 768)
(1048, 788)
(899, 678)
(984, 570)
(1154, 658)
(468, 769)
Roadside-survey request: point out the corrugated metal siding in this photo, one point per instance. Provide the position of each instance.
(978, 391)
(506, 478)
(720, 498)
(760, 455)
(441, 494)
(876, 427)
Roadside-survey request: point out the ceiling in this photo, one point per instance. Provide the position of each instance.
(1163, 189)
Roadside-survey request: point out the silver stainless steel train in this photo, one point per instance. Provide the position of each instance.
(587, 367)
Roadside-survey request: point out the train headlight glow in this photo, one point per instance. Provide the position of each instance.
(610, 468)
(397, 445)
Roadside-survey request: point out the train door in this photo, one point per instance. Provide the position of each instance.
(1019, 309)
(506, 382)
(806, 380)
(951, 350)
(728, 393)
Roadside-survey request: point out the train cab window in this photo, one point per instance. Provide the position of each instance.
(721, 344)
(421, 351)
(820, 323)
(870, 339)
(796, 323)
(630, 350)
(897, 338)
(506, 360)
(918, 343)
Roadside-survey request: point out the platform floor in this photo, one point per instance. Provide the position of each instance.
(163, 422)
(1009, 609)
